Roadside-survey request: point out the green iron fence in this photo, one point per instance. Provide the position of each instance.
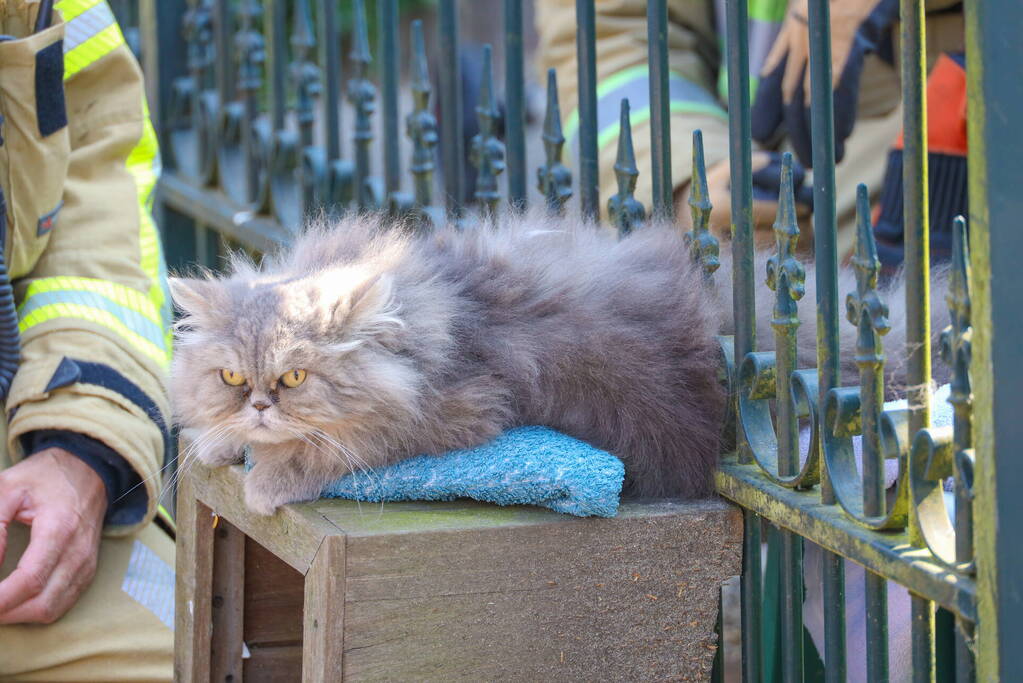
(247, 97)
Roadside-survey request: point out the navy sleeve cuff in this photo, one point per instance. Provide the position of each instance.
(127, 499)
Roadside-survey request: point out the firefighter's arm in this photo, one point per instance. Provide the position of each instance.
(622, 71)
(94, 311)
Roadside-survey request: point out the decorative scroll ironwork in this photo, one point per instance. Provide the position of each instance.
(764, 376)
(625, 211)
(487, 152)
(553, 179)
(942, 453)
(852, 411)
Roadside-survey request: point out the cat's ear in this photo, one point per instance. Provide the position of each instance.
(369, 309)
(193, 296)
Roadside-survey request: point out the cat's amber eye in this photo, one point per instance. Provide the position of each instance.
(293, 378)
(232, 378)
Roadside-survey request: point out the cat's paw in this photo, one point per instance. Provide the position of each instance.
(265, 493)
(260, 502)
(221, 456)
(262, 497)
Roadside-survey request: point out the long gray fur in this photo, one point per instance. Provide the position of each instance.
(426, 344)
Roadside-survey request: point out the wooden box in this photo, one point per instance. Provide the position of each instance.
(337, 591)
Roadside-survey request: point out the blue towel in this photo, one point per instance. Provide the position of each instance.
(523, 466)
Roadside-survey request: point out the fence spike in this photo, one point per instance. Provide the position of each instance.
(250, 54)
(785, 274)
(487, 151)
(956, 352)
(389, 54)
(866, 310)
(553, 179)
(867, 266)
(250, 49)
(515, 105)
(451, 106)
(703, 245)
(362, 95)
(625, 211)
(420, 124)
(786, 277)
(958, 296)
(197, 30)
(304, 70)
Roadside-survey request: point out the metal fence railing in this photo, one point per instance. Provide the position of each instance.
(249, 98)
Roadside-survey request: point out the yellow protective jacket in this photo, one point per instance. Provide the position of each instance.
(696, 88)
(78, 166)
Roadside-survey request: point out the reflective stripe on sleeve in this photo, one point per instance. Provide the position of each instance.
(91, 33)
(86, 25)
(633, 83)
(122, 310)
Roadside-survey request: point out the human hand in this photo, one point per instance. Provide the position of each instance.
(64, 502)
(783, 95)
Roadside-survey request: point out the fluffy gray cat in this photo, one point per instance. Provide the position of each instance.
(364, 345)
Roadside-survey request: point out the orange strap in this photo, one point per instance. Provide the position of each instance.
(946, 109)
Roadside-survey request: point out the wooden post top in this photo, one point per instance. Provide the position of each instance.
(296, 531)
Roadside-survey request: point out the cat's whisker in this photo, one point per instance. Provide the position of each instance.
(351, 455)
(306, 439)
(363, 465)
(351, 462)
(208, 440)
(191, 448)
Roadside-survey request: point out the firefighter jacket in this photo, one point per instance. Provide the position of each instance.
(78, 166)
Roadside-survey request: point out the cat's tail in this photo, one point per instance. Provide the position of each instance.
(892, 293)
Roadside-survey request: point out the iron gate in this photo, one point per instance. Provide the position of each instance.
(242, 90)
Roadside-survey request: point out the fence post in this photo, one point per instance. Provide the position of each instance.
(993, 65)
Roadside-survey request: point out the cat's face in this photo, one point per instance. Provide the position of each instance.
(304, 359)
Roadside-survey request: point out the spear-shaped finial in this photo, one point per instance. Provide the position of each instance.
(956, 338)
(625, 211)
(864, 307)
(702, 244)
(304, 70)
(360, 54)
(197, 29)
(420, 69)
(957, 352)
(420, 124)
(487, 153)
(785, 274)
(866, 310)
(553, 179)
(303, 37)
(362, 95)
(250, 47)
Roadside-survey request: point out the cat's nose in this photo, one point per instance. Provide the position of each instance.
(261, 405)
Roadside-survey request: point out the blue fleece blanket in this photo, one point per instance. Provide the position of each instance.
(527, 465)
